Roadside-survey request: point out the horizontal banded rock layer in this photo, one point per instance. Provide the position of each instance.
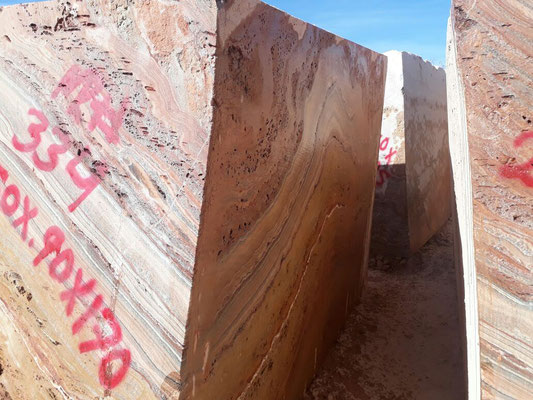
(413, 183)
(490, 94)
(178, 208)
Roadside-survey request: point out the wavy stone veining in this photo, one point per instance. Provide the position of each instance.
(229, 234)
(489, 57)
(137, 232)
(283, 256)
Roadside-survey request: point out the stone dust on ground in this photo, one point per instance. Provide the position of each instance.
(403, 341)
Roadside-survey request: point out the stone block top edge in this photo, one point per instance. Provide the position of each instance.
(338, 37)
(252, 4)
(414, 56)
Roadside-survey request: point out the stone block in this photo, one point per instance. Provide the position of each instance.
(413, 188)
(179, 213)
(490, 101)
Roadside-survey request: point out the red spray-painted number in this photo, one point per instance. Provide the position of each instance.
(61, 268)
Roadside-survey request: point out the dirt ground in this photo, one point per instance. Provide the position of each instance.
(403, 341)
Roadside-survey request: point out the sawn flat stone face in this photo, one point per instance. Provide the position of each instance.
(413, 184)
(179, 212)
(490, 96)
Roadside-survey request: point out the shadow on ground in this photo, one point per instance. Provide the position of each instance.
(403, 341)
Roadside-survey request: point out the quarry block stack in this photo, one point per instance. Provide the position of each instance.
(175, 182)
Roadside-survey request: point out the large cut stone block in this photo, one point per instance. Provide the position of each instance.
(490, 101)
(413, 187)
(180, 217)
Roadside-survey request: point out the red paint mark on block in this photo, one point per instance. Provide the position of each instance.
(519, 141)
(61, 268)
(103, 342)
(520, 171)
(4, 175)
(10, 201)
(383, 173)
(111, 380)
(87, 184)
(27, 215)
(92, 91)
(89, 312)
(79, 290)
(35, 131)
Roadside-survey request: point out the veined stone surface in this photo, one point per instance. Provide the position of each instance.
(491, 141)
(413, 181)
(171, 229)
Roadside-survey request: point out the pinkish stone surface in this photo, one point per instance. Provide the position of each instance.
(490, 99)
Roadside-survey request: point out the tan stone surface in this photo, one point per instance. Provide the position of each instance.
(390, 224)
(489, 58)
(265, 247)
(427, 157)
(282, 258)
(413, 188)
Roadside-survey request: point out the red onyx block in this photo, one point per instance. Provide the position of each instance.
(185, 197)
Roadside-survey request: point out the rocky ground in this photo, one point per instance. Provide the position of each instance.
(403, 341)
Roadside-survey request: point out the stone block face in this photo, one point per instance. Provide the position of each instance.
(174, 189)
(491, 146)
(413, 188)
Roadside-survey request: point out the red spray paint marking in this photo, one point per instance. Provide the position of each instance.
(3, 175)
(89, 312)
(389, 156)
(103, 342)
(110, 381)
(66, 257)
(519, 141)
(92, 91)
(60, 268)
(87, 184)
(384, 144)
(27, 215)
(10, 200)
(79, 290)
(36, 130)
(53, 241)
(383, 173)
(520, 171)
(53, 152)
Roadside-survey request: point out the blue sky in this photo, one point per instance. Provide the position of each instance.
(417, 26)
